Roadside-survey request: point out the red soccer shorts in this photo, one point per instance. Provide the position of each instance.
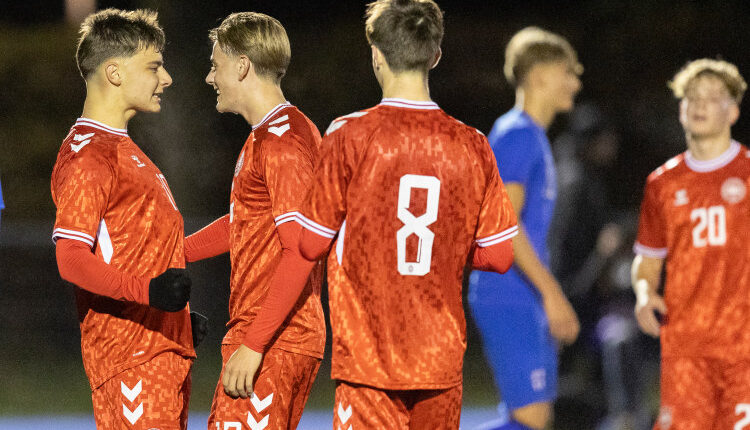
(704, 394)
(154, 395)
(363, 407)
(279, 393)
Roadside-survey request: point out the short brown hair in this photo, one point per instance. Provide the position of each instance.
(407, 32)
(533, 45)
(116, 33)
(725, 71)
(258, 36)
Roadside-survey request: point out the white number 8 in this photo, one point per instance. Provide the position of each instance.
(416, 225)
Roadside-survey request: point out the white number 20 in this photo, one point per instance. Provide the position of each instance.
(711, 228)
(744, 409)
(416, 225)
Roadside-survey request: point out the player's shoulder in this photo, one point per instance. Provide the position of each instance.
(672, 167)
(514, 127)
(284, 123)
(359, 120)
(92, 140)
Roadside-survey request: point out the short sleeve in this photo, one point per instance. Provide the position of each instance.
(324, 209)
(497, 220)
(80, 189)
(288, 169)
(516, 154)
(651, 240)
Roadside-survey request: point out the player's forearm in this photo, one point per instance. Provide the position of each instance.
(79, 266)
(528, 262)
(287, 283)
(645, 275)
(210, 241)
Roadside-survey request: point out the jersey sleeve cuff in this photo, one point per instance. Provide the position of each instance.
(289, 216)
(315, 227)
(647, 251)
(497, 238)
(62, 233)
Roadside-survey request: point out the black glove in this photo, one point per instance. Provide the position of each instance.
(200, 327)
(170, 291)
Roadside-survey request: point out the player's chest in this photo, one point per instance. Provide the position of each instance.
(142, 186)
(706, 209)
(249, 190)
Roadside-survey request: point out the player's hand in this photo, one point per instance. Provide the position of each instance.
(170, 291)
(239, 372)
(646, 306)
(563, 322)
(199, 324)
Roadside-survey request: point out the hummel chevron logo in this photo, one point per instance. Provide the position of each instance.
(85, 138)
(131, 394)
(278, 131)
(279, 119)
(257, 425)
(344, 414)
(259, 404)
(132, 416)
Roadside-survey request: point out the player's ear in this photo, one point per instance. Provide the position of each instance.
(244, 66)
(377, 58)
(436, 60)
(734, 113)
(112, 73)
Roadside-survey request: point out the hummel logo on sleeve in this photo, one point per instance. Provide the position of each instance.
(86, 138)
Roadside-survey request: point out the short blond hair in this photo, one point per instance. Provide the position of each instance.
(723, 70)
(407, 32)
(116, 33)
(532, 46)
(258, 36)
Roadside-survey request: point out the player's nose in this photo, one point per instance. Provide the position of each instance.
(166, 79)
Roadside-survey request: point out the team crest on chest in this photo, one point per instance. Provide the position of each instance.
(239, 164)
(733, 190)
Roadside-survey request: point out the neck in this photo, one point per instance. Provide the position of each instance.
(708, 147)
(534, 104)
(259, 100)
(406, 85)
(105, 107)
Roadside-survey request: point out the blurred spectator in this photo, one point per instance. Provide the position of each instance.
(590, 257)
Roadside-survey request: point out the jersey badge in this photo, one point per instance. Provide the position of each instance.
(239, 164)
(85, 139)
(680, 197)
(138, 162)
(733, 190)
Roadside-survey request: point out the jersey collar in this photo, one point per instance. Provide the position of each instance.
(409, 104)
(86, 122)
(714, 164)
(271, 113)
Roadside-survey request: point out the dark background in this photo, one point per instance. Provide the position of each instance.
(629, 50)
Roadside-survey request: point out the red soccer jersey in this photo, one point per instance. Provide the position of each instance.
(110, 196)
(273, 173)
(416, 189)
(696, 214)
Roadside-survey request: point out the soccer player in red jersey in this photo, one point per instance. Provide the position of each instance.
(250, 56)
(694, 216)
(409, 192)
(119, 236)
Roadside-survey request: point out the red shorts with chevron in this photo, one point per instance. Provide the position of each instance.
(280, 392)
(154, 394)
(363, 407)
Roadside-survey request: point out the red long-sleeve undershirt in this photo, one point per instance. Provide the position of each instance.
(77, 264)
(300, 249)
(210, 241)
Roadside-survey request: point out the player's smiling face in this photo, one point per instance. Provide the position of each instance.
(221, 77)
(144, 80)
(707, 109)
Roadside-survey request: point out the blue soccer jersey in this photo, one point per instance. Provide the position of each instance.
(2, 204)
(507, 308)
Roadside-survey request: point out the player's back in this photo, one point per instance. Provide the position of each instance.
(417, 180)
